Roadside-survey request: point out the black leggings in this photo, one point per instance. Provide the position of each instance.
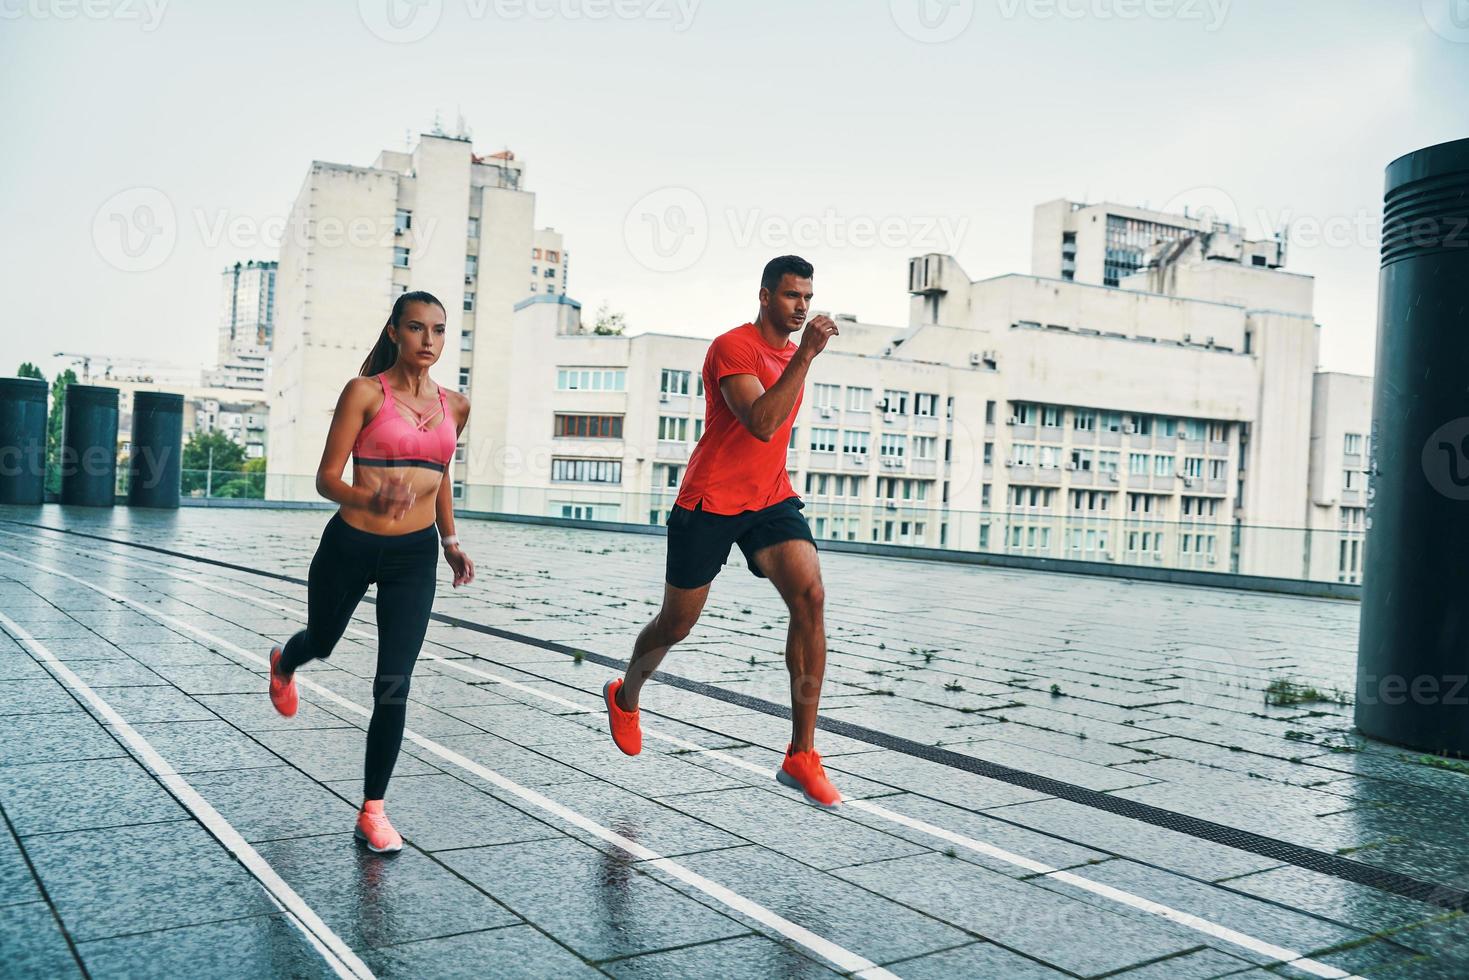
(403, 566)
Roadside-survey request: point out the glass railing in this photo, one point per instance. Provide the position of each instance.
(1212, 543)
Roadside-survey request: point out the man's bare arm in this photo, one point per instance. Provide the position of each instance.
(763, 411)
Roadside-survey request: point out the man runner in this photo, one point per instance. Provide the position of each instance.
(736, 491)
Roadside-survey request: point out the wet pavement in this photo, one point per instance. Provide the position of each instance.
(161, 820)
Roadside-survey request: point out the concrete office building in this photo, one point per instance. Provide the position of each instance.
(246, 325)
(438, 217)
(1175, 419)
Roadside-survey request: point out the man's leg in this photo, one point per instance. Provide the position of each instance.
(680, 611)
(795, 571)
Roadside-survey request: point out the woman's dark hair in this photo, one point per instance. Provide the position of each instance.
(778, 267)
(385, 352)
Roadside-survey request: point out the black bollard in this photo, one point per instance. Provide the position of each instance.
(89, 446)
(157, 446)
(1413, 647)
(22, 441)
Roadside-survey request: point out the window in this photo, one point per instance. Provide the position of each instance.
(1141, 424)
(1217, 469)
(925, 447)
(469, 302)
(925, 405)
(1107, 461)
(827, 396)
(698, 429)
(400, 257)
(1144, 503)
(1193, 466)
(989, 413)
(1024, 413)
(1352, 444)
(535, 270)
(699, 385)
(894, 402)
(894, 446)
(989, 453)
(854, 442)
(823, 440)
(1050, 458)
(1193, 430)
(673, 428)
(1051, 416)
(591, 379)
(1111, 421)
(1167, 428)
(674, 382)
(588, 426)
(1085, 420)
(471, 266)
(552, 255)
(535, 253)
(1092, 501)
(948, 414)
(1216, 431)
(466, 340)
(1022, 454)
(473, 227)
(1081, 460)
(402, 221)
(586, 470)
(1351, 480)
(1162, 465)
(792, 443)
(858, 399)
(1352, 518)
(1137, 464)
(459, 453)
(550, 272)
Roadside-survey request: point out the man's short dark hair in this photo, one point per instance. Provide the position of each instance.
(779, 266)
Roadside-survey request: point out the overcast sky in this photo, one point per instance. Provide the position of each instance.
(857, 132)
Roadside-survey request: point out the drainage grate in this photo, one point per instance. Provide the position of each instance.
(1383, 879)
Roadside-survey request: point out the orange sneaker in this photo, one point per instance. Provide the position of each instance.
(282, 688)
(374, 830)
(627, 732)
(803, 771)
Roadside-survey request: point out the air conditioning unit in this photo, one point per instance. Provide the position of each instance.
(1188, 481)
(663, 397)
(1213, 559)
(1129, 428)
(1188, 338)
(397, 232)
(975, 360)
(1071, 466)
(1112, 477)
(825, 412)
(892, 505)
(988, 355)
(1013, 420)
(860, 460)
(881, 406)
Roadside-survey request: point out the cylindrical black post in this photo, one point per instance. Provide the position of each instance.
(1413, 648)
(89, 446)
(157, 445)
(22, 441)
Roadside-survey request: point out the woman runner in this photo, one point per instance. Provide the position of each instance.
(401, 429)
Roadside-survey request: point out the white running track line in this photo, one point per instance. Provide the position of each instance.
(338, 955)
(845, 959)
(1243, 940)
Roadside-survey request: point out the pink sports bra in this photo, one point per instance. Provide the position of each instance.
(389, 439)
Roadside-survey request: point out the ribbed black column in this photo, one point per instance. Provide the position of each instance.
(89, 446)
(157, 445)
(22, 441)
(1413, 648)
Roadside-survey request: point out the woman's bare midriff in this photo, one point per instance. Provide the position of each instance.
(424, 482)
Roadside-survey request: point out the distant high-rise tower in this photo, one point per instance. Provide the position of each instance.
(246, 326)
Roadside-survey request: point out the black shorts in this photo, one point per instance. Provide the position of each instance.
(698, 542)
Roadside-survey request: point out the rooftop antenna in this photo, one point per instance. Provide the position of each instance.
(438, 129)
(461, 130)
(407, 139)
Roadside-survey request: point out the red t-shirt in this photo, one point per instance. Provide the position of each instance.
(730, 470)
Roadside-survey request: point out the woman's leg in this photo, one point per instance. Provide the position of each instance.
(339, 576)
(405, 597)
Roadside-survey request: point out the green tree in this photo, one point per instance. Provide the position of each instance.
(210, 450)
(255, 473)
(53, 429)
(608, 324)
(29, 370)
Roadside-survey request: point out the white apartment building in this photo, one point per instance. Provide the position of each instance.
(1176, 419)
(438, 217)
(548, 263)
(246, 325)
(206, 409)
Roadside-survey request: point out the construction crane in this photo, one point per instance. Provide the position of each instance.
(124, 368)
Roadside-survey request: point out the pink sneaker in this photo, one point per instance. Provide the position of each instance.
(374, 830)
(282, 689)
